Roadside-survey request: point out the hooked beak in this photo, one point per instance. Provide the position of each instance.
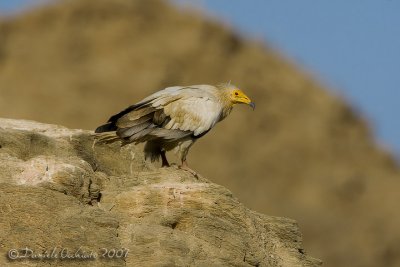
(244, 99)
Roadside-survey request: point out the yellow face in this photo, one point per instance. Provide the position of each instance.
(238, 97)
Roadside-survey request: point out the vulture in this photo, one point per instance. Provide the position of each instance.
(173, 118)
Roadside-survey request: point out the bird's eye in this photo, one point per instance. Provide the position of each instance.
(236, 93)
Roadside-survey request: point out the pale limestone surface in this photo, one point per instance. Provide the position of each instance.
(58, 189)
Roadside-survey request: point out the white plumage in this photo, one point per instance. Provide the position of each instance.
(174, 117)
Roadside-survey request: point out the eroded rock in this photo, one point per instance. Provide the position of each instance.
(59, 189)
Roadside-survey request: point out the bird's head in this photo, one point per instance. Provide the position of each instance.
(236, 96)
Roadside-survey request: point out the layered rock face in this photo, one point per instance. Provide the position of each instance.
(60, 190)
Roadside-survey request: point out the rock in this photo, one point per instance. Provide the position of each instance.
(62, 193)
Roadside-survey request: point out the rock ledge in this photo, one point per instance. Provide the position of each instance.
(59, 190)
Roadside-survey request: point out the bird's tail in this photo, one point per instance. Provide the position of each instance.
(106, 137)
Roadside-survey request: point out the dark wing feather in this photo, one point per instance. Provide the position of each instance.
(169, 135)
(108, 127)
(115, 117)
(129, 131)
(111, 124)
(126, 122)
(161, 117)
(142, 124)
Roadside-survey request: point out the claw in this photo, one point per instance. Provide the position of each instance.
(185, 167)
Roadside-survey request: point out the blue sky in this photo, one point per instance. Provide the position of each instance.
(351, 46)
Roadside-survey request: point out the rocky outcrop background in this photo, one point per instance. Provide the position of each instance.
(59, 189)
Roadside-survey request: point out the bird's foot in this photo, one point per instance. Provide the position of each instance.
(166, 165)
(185, 167)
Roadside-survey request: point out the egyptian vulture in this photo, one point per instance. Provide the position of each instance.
(173, 118)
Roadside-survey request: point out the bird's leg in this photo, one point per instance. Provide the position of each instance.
(164, 159)
(183, 150)
(185, 166)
